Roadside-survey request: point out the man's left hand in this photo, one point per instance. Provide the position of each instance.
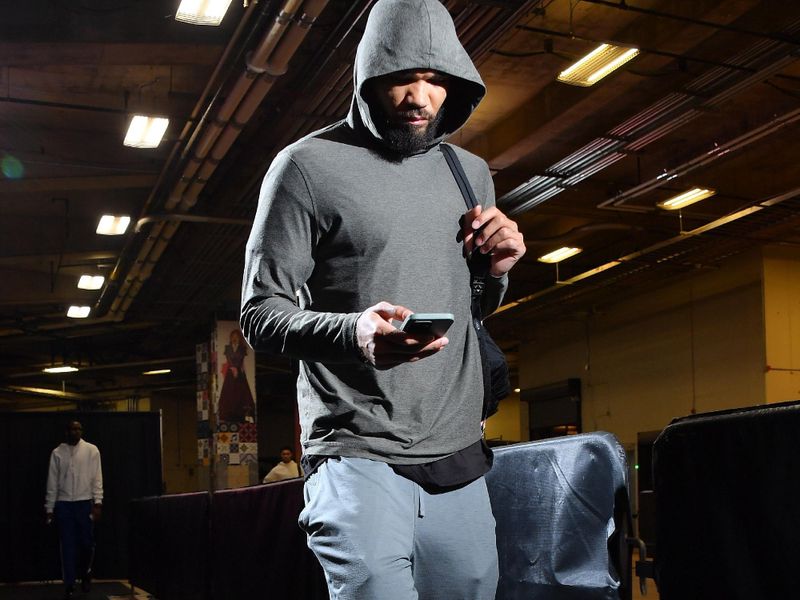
(97, 512)
(493, 232)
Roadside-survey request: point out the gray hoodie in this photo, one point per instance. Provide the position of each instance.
(340, 226)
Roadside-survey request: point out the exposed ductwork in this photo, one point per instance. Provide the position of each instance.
(264, 64)
(670, 250)
(753, 65)
(620, 201)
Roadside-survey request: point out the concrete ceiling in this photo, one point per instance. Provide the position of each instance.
(713, 100)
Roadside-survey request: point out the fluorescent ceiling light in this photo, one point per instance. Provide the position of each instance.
(79, 312)
(202, 12)
(558, 255)
(61, 369)
(91, 282)
(145, 132)
(597, 64)
(686, 198)
(158, 372)
(45, 391)
(111, 225)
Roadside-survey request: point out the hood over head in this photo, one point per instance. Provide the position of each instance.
(404, 35)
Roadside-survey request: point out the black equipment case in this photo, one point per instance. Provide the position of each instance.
(561, 507)
(728, 505)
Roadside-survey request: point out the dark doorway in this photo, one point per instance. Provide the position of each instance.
(555, 409)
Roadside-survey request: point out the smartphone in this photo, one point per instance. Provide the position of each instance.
(435, 324)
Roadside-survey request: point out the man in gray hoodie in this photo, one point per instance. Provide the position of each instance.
(358, 225)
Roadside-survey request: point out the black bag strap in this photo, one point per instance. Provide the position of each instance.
(460, 176)
(478, 263)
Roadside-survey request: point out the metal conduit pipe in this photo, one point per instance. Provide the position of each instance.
(220, 141)
(634, 256)
(754, 64)
(196, 125)
(133, 272)
(623, 5)
(222, 119)
(337, 86)
(619, 201)
(192, 123)
(188, 218)
(277, 64)
(580, 230)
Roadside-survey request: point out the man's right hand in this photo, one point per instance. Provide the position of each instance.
(48, 519)
(384, 346)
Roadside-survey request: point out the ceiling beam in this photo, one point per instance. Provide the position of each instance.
(32, 54)
(527, 130)
(59, 184)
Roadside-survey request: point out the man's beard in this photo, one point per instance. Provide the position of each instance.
(406, 139)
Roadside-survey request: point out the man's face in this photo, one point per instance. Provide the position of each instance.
(411, 103)
(74, 433)
(286, 456)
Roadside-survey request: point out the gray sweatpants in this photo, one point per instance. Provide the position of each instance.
(380, 536)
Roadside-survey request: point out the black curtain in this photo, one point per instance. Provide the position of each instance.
(130, 448)
(239, 544)
(727, 488)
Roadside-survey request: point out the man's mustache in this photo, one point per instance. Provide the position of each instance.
(415, 114)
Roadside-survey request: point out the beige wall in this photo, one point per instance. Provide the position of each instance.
(179, 439)
(782, 321)
(697, 344)
(508, 424)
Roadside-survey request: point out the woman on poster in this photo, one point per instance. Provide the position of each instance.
(235, 399)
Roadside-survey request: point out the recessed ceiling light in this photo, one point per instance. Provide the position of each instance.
(91, 282)
(111, 225)
(517, 390)
(202, 12)
(61, 369)
(145, 132)
(79, 312)
(558, 255)
(157, 372)
(686, 198)
(597, 64)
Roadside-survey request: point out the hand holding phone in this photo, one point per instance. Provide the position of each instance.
(381, 344)
(432, 324)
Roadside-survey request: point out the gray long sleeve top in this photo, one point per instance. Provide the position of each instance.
(341, 226)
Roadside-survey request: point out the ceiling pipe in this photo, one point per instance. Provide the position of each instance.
(193, 125)
(269, 59)
(107, 367)
(159, 238)
(754, 64)
(643, 49)
(581, 230)
(619, 202)
(43, 393)
(190, 219)
(222, 120)
(636, 256)
(623, 5)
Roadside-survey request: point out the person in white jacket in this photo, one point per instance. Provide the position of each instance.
(74, 501)
(286, 469)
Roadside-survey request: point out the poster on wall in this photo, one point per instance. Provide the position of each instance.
(234, 396)
(203, 364)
